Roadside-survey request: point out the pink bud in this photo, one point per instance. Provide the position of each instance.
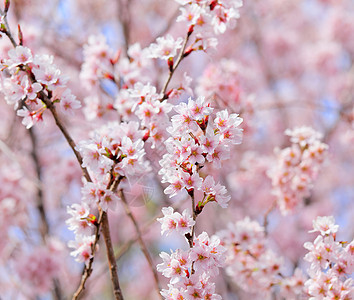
(6, 6)
(20, 36)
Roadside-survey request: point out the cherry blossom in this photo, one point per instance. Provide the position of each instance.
(330, 263)
(325, 225)
(19, 56)
(68, 102)
(174, 221)
(166, 47)
(298, 166)
(80, 222)
(228, 124)
(82, 247)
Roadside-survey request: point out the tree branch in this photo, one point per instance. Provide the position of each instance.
(44, 227)
(103, 215)
(125, 20)
(180, 57)
(141, 241)
(111, 259)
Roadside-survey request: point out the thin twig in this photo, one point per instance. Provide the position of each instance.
(7, 30)
(44, 227)
(65, 132)
(111, 259)
(126, 246)
(141, 241)
(190, 236)
(194, 216)
(88, 268)
(125, 19)
(173, 69)
(40, 205)
(102, 221)
(265, 219)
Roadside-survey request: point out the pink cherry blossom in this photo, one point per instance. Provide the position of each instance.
(166, 47)
(164, 113)
(82, 247)
(19, 56)
(68, 102)
(174, 221)
(79, 222)
(325, 225)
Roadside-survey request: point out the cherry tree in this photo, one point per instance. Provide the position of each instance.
(180, 149)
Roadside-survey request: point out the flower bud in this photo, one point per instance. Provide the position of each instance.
(6, 6)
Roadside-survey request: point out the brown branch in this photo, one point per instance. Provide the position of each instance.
(44, 227)
(125, 19)
(103, 215)
(126, 246)
(7, 30)
(88, 268)
(141, 241)
(190, 236)
(123, 249)
(102, 222)
(44, 230)
(194, 216)
(66, 134)
(111, 259)
(265, 219)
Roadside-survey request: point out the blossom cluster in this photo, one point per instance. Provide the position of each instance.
(114, 153)
(81, 223)
(190, 271)
(332, 263)
(209, 16)
(174, 221)
(136, 99)
(110, 77)
(151, 111)
(195, 139)
(294, 55)
(297, 168)
(114, 149)
(253, 265)
(165, 47)
(206, 19)
(101, 62)
(27, 77)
